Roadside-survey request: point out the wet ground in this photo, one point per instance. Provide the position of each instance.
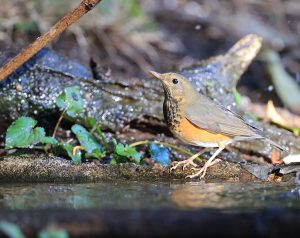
(125, 195)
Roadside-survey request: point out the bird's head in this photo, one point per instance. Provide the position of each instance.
(175, 85)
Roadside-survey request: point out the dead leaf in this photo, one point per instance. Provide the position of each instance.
(292, 159)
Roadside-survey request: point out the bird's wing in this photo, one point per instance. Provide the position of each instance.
(210, 116)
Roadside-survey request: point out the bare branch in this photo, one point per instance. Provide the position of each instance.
(84, 7)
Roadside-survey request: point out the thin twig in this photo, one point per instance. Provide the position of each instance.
(58, 122)
(142, 142)
(84, 7)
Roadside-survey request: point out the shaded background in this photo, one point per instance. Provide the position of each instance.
(130, 37)
(133, 36)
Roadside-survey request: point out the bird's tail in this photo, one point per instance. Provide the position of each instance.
(275, 145)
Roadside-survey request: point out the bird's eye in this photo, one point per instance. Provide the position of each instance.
(175, 81)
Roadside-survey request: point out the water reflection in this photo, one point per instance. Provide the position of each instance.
(235, 195)
(135, 195)
(200, 196)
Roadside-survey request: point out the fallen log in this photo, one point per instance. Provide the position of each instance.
(133, 106)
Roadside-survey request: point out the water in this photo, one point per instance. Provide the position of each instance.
(159, 195)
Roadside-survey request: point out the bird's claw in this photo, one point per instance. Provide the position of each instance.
(200, 171)
(185, 163)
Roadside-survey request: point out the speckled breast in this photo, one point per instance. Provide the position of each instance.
(172, 113)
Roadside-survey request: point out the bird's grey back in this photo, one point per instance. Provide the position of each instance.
(208, 115)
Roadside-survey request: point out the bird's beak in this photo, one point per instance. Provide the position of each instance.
(156, 75)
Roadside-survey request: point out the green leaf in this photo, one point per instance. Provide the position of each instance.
(53, 233)
(69, 149)
(128, 152)
(49, 140)
(22, 134)
(27, 26)
(71, 101)
(11, 230)
(88, 142)
(37, 135)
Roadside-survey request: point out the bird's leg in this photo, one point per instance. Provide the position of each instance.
(189, 161)
(208, 163)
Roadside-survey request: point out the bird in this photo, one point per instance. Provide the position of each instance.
(197, 120)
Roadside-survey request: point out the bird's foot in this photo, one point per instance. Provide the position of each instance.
(201, 172)
(189, 161)
(184, 164)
